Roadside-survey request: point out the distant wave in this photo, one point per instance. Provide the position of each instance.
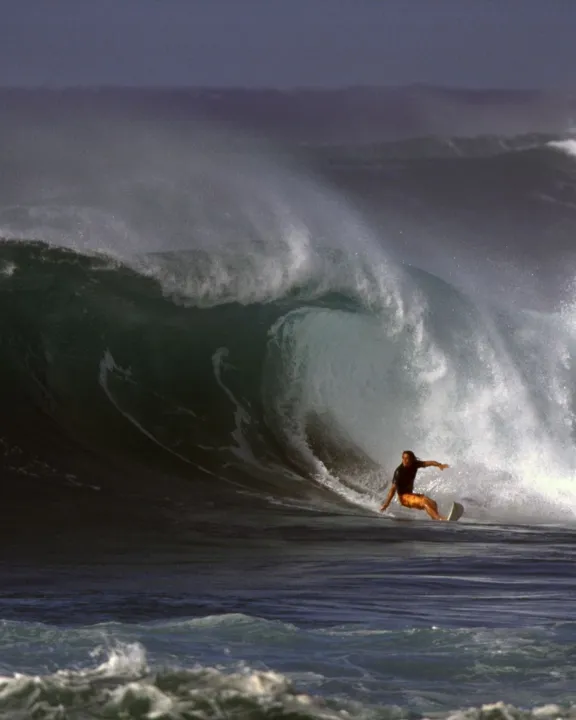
(567, 146)
(446, 146)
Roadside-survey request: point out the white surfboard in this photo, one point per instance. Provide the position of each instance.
(456, 512)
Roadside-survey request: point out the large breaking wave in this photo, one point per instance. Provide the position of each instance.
(206, 312)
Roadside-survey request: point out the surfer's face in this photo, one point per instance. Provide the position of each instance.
(406, 459)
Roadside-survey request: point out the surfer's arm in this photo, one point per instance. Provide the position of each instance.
(389, 498)
(434, 463)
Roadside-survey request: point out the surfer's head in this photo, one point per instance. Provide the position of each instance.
(408, 457)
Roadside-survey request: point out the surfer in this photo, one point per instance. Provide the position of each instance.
(403, 484)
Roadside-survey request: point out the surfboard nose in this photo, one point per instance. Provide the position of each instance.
(456, 512)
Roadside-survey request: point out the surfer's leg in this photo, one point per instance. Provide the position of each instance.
(432, 509)
(417, 501)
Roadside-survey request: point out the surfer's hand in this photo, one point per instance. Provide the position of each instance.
(384, 508)
(443, 466)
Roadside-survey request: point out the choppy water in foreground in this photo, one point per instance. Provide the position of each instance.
(316, 615)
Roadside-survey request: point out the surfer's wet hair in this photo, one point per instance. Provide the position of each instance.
(410, 454)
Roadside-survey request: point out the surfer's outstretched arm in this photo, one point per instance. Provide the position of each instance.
(435, 463)
(389, 498)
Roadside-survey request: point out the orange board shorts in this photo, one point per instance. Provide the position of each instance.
(413, 500)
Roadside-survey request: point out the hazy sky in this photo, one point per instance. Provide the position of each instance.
(512, 43)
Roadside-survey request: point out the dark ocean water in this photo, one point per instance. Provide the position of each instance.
(212, 357)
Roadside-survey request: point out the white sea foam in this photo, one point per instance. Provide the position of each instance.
(125, 684)
(566, 146)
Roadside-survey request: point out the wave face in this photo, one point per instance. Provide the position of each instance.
(201, 312)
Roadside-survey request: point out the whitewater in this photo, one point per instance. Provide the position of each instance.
(213, 355)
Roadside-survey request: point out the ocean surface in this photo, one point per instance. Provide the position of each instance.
(213, 352)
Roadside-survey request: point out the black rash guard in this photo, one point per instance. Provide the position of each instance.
(404, 477)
